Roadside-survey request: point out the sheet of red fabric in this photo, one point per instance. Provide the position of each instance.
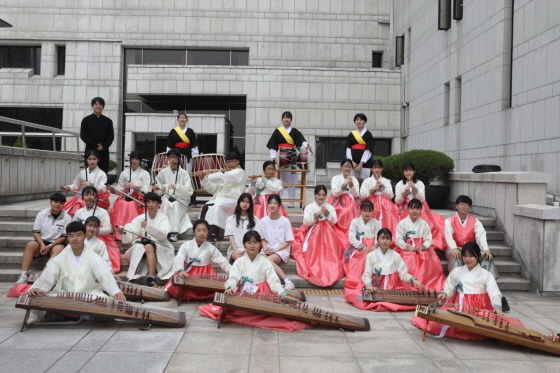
(260, 209)
(347, 209)
(424, 265)
(386, 212)
(481, 301)
(113, 250)
(392, 282)
(321, 264)
(435, 221)
(248, 318)
(73, 204)
(192, 294)
(122, 213)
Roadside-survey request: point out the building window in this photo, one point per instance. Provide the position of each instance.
(399, 51)
(218, 57)
(444, 14)
(10, 134)
(457, 10)
(163, 57)
(458, 88)
(21, 57)
(330, 149)
(377, 59)
(446, 92)
(61, 60)
(382, 147)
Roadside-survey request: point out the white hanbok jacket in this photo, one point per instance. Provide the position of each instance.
(97, 178)
(359, 230)
(225, 187)
(384, 264)
(82, 214)
(176, 212)
(476, 281)
(337, 190)
(370, 182)
(255, 272)
(418, 231)
(138, 177)
(199, 256)
(158, 230)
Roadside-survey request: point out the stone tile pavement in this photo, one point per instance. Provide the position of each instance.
(393, 345)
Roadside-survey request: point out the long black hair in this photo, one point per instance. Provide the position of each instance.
(471, 248)
(409, 166)
(242, 197)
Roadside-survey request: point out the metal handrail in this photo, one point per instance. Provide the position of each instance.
(53, 131)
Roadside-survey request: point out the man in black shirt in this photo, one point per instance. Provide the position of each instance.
(97, 132)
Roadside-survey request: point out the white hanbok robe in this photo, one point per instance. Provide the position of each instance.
(158, 230)
(139, 177)
(264, 187)
(226, 188)
(203, 256)
(371, 182)
(420, 192)
(239, 231)
(422, 236)
(337, 190)
(256, 272)
(388, 263)
(358, 228)
(99, 247)
(82, 214)
(97, 178)
(92, 276)
(176, 212)
(476, 281)
(313, 208)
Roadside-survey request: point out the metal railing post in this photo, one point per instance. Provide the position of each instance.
(53, 142)
(23, 136)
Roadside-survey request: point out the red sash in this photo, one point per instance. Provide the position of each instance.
(285, 146)
(462, 235)
(182, 145)
(359, 146)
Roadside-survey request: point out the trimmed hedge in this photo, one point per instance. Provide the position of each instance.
(430, 165)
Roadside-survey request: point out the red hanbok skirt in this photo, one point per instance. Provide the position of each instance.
(424, 265)
(248, 318)
(113, 251)
(435, 221)
(123, 212)
(481, 301)
(321, 264)
(192, 294)
(260, 207)
(386, 212)
(386, 282)
(354, 267)
(18, 290)
(347, 209)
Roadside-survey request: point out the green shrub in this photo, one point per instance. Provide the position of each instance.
(430, 165)
(112, 165)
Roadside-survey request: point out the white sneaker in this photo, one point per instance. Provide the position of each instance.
(22, 279)
(289, 286)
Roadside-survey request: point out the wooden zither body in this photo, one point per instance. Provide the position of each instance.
(79, 304)
(403, 297)
(269, 304)
(215, 283)
(130, 290)
(489, 324)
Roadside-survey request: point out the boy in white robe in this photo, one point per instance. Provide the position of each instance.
(76, 269)
(226, 187)
(174, 185)
(149, 232)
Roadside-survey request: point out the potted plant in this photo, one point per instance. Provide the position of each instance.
(112, 176)
(430, 165)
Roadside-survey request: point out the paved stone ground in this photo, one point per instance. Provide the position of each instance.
(393, 345)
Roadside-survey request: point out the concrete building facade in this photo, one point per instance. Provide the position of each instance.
(487, 89)
(150, 58)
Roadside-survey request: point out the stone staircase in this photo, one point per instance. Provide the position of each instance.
(16, 225)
